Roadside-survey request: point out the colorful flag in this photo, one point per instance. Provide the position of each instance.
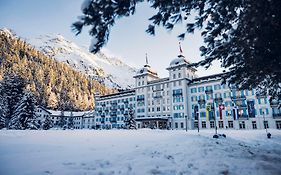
(235, 113)
(251, 108)
(208, 109)
(221, 107)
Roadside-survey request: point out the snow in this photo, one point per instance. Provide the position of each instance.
(109, 70)
(139, 152)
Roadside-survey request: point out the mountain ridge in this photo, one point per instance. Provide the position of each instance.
(108, 70)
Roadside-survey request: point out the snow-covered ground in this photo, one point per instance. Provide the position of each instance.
(139, 152)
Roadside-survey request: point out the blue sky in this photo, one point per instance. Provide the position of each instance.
(30, 18)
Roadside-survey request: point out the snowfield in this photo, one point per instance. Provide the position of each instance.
(139, 152)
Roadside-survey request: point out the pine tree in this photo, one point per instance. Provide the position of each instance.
(2, 111)
(25, 116)
(62, 123)
(11, 92)
(70, 124)
(47, 123)
(130, 121)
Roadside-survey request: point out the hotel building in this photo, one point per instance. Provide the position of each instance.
(185, 101)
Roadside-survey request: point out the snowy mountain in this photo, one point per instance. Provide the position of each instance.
(108, 70)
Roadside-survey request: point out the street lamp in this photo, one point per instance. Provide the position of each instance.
(264, 121)
(186, 123)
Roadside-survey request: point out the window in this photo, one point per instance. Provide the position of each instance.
(181, 124)
(201, 89)
(230, 124)
(254, 124)
(217, 86)
(174, 76)
(179, 75)
(193, 90)
(179, 83)
(208, 87)
(176, 125)
(203, 124)
(212, 124)
(242, 125)
(220, 124)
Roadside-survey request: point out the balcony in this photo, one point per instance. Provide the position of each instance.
(201, 101)
(157, 96)
(238, 98)
(277, 115)
(177, 94)
(156, 90)
(243, 116)
(113, 119)
(218, 100)
(209, 91)
(242, 106)
(140, 99)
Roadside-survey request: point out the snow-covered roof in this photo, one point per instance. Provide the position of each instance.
(180, 60)
(146, 69)
(67, 113)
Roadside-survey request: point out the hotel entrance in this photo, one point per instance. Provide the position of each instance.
(155, 123)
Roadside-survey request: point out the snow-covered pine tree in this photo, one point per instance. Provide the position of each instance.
(130, 121)
(47, 123)
(11, 92)
(25, 116)
(70, 123)
(62, 123)
(2, 109)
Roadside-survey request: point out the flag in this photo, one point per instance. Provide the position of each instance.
(221, 107)
(180, 48)
(251, 108)
(208, 109)
(235, 113)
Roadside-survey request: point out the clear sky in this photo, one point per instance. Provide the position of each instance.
(30, 18)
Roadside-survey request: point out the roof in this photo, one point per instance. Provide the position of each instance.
(119, 93)
(46, 110)
(180, 61)
(159, 80)
(146, 69)
(205, 78)
(67, 113)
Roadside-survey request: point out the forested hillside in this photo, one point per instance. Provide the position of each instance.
(55, 85)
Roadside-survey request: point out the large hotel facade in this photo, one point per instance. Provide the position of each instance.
(185, 101)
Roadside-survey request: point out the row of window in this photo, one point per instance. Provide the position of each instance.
(218, 87)
(117, 101)
(109, 119)
(230, 112)
(157, 109)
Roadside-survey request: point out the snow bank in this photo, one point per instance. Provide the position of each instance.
(139, 152)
